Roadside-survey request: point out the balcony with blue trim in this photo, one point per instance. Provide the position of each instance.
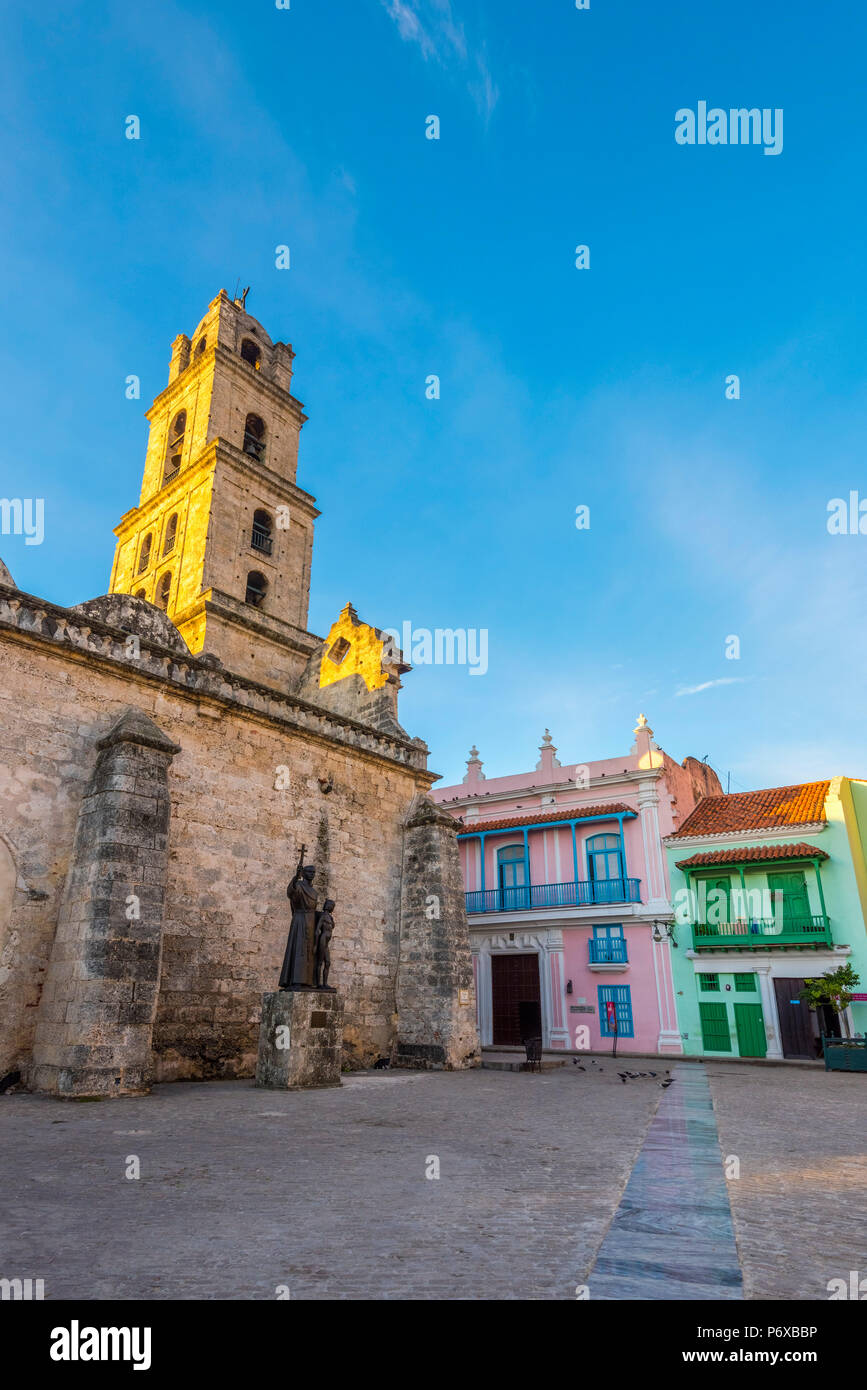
(528, 897)
(607, 954)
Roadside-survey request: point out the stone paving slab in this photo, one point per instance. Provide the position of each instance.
(325, 1192)
(672, 1235)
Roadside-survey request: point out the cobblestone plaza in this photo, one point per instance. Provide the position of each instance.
(482, 1185)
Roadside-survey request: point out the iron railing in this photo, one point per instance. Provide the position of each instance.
(582, 893)
(608, 950)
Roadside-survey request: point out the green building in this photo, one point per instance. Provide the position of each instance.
(769, 889)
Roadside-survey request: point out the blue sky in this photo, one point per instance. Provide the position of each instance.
(560, 387)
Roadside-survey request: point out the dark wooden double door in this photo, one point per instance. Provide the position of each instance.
(801, 1026)
(516, 1001)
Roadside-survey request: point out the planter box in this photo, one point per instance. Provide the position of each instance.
(845, 1054)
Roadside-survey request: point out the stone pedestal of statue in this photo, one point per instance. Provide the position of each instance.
(300, 1040)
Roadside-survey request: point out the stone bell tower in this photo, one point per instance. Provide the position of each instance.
(222, 537)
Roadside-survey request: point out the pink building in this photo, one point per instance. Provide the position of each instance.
(568, 899)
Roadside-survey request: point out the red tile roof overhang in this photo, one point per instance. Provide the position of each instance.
(610, 809)
(753, 854)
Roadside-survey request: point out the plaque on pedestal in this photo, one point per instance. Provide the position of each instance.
(300, 1039)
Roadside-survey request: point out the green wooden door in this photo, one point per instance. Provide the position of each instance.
(750, 1025)
(796, 902)
(715, 1036)
(717, 912)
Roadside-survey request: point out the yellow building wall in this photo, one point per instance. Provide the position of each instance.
(364, 657)
(185, 562)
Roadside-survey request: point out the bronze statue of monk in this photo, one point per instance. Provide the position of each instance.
(298, 962)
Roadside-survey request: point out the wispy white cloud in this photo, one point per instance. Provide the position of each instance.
(484, 89)
(431, 25)
(709, 685)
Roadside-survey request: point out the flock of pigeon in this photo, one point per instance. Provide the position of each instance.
(627, 1075)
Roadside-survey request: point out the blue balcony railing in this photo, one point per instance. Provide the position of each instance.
(609, 950)
(583, 893)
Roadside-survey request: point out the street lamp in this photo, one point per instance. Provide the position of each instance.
(664, 931)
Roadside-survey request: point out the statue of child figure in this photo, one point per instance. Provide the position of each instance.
(324, 928)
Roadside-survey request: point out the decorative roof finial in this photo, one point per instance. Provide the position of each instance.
(474, 767)
(548, 761)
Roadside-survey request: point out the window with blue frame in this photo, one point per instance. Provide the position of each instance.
(608, 945)
(605, 867)
(621, 998)
(512, 877)
(510, 862)
(604, 856)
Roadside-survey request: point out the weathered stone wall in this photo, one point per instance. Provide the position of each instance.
(258, 774)
(435, 995)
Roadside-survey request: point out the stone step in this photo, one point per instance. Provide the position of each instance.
(513, 1064)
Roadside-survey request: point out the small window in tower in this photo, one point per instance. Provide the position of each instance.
(171, 534)
(254, 436)
(250, 353)
(144, 556)
(257, 587)
(175, 446)
(140, 593)
(164, 589)
(339, 650)
(261, 538)
(200, 346)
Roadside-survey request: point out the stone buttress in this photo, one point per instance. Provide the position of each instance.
(93, 1034)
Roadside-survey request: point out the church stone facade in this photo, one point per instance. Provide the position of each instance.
(166, 750)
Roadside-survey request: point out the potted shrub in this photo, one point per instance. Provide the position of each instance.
(834, 988)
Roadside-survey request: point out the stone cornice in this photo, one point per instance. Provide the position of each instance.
(245, 463)
(250, 619)
(201, 679)
(206, 366)
(214, 453)
(488, 799)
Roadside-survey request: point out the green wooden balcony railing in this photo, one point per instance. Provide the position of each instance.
(762, 933)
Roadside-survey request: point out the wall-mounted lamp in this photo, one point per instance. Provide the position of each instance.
(664, 931)
(568, 986)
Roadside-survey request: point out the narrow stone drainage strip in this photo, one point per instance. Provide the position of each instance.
(672, 1235)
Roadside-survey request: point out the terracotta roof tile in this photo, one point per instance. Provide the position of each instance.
(802, 804)
(608, 808)
(753, 854)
